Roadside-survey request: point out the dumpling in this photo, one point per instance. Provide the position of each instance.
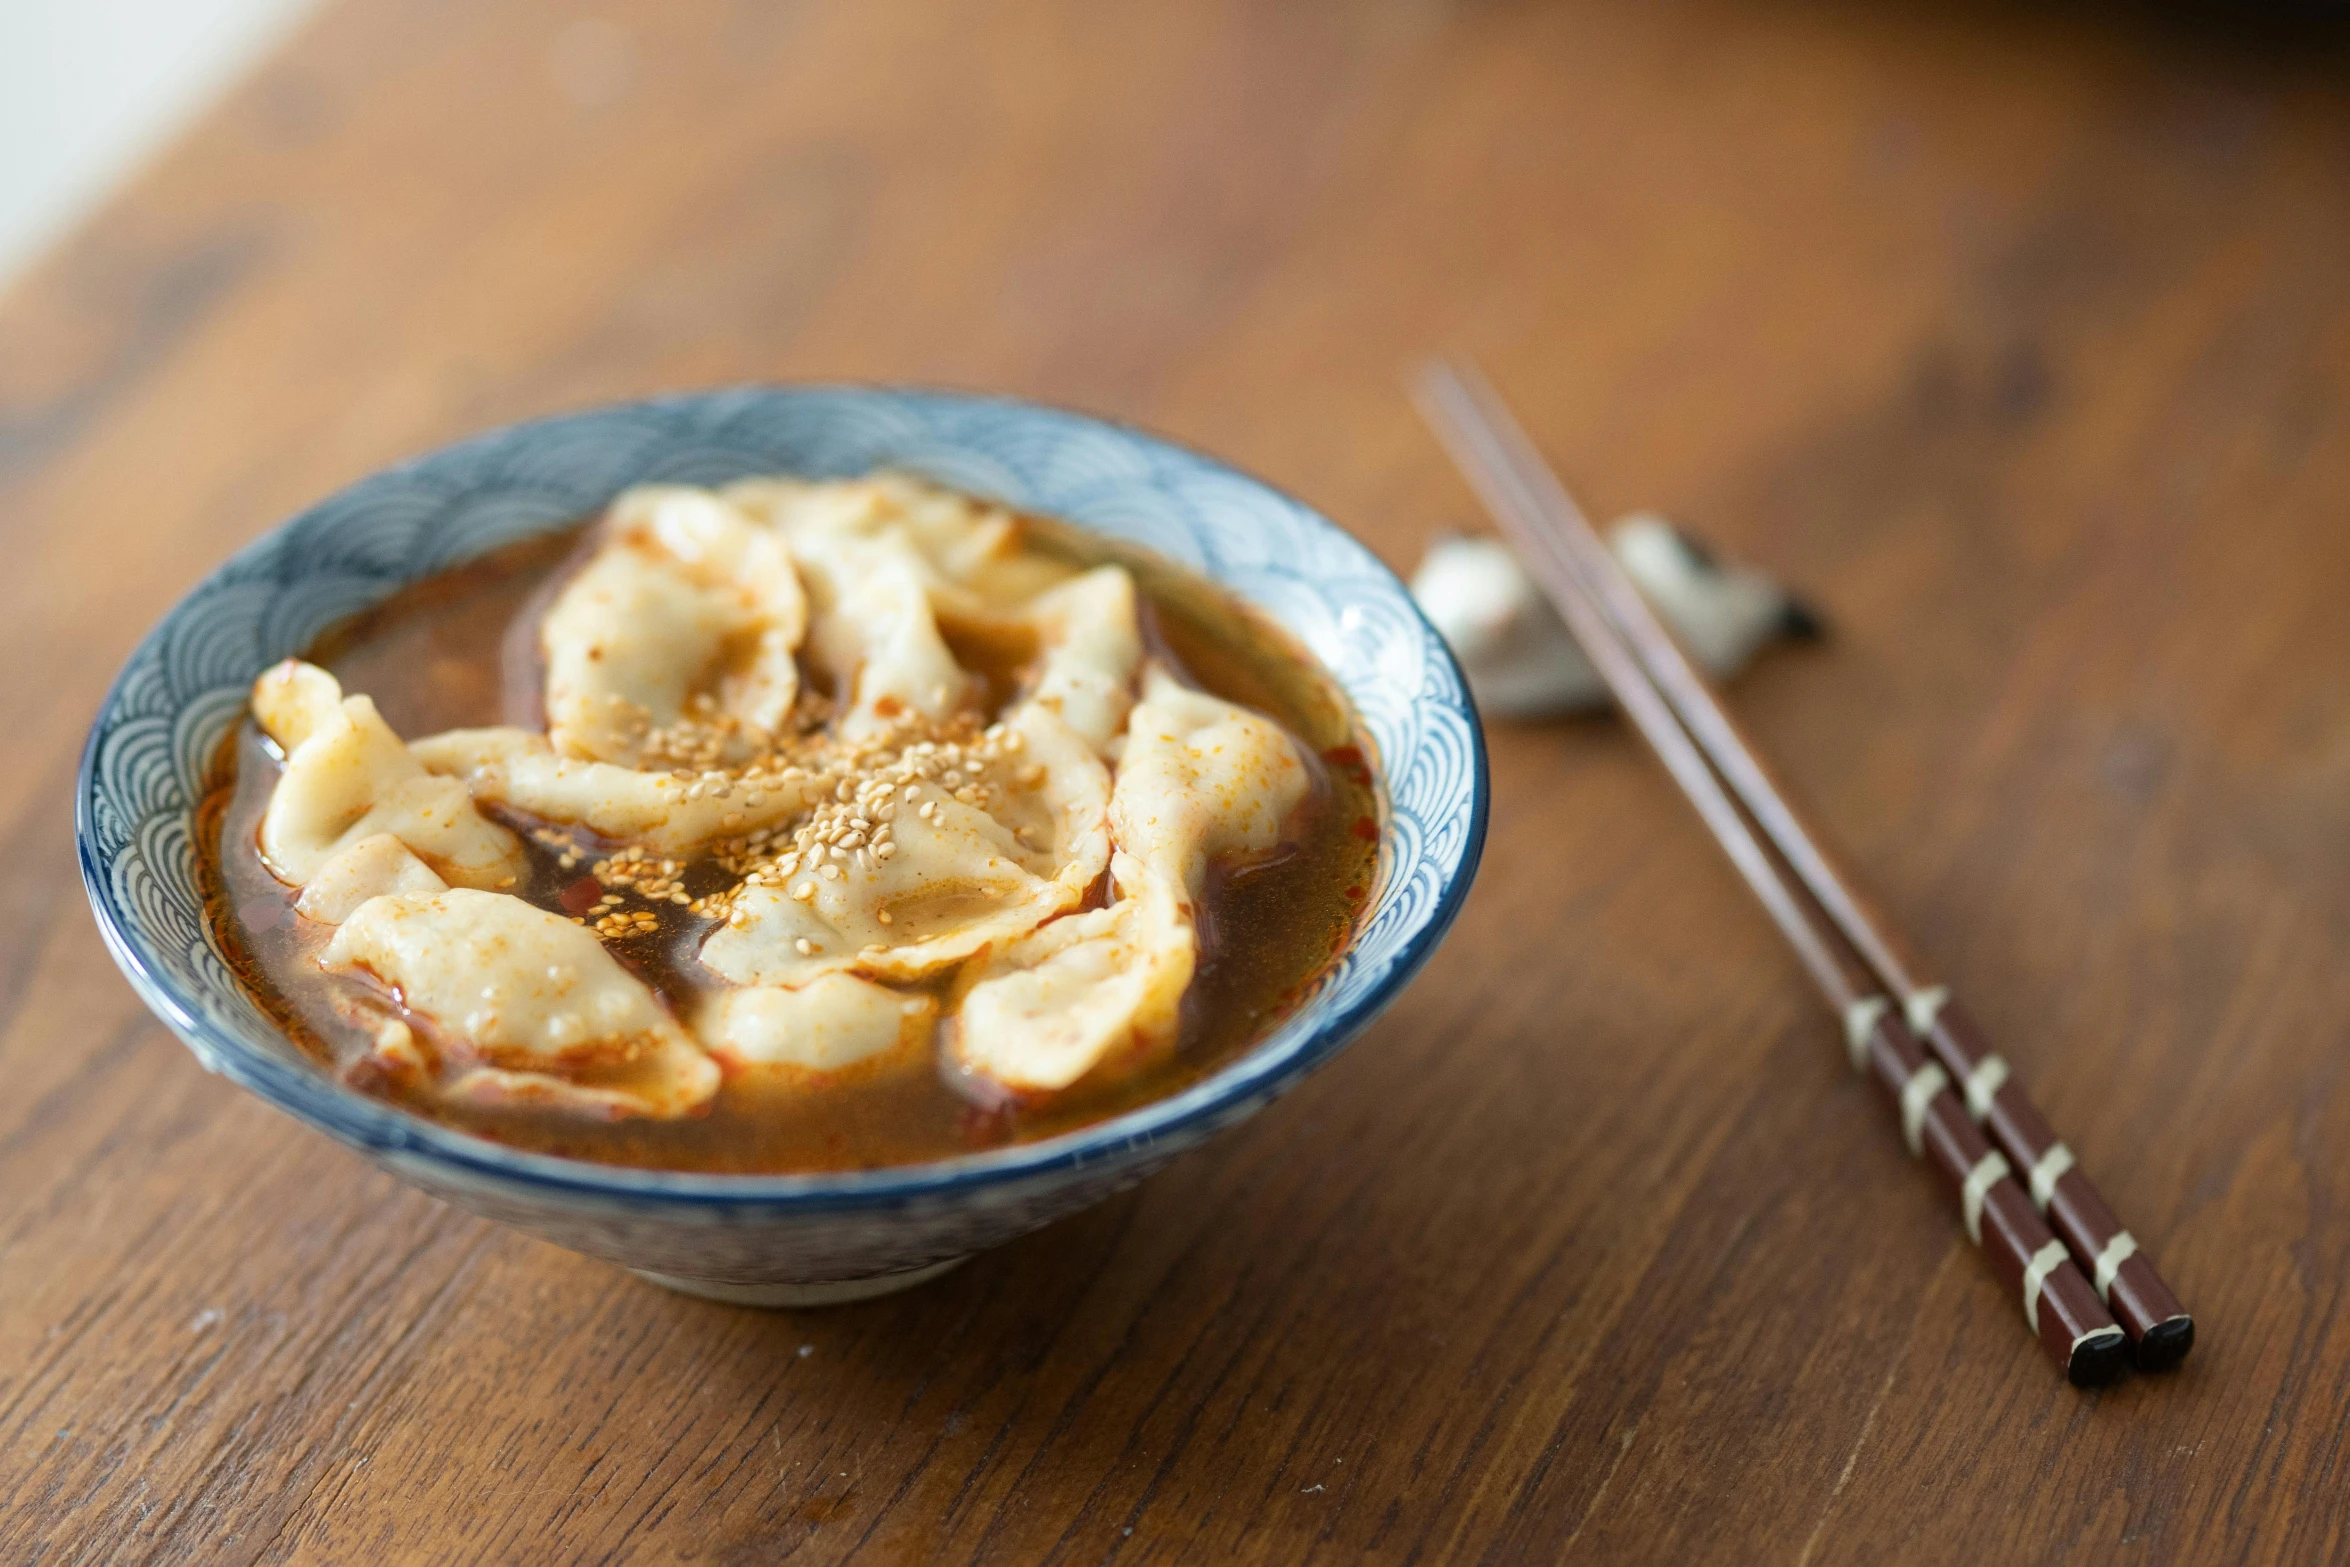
(687, 597)
(952, 884)
(1200, 778)
(348, 777)
(827, 1026)
(1083, 994)
(1055, 798)
(970, 554)
(1092, 646)
(951, 848)
(370, 868)
(874, 629)
(521, 1006)
(662, 811)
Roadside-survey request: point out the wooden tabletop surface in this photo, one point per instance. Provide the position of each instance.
(2020, 342)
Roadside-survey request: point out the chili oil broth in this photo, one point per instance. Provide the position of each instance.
(460, 650)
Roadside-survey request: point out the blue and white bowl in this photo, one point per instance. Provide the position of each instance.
(795, 1239)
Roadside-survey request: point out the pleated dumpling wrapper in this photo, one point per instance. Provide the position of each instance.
(1099, 992)
(872, 622)
(686, 599)
(894, 563)
(932, 877)
(517, 1006)
(370, 867)
(969, 554)
(664, 811)
(348, 777)
(1091, 647)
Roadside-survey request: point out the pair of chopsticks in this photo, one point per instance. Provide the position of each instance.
(1961, 1109)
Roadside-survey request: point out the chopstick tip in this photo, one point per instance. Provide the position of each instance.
(2166, 1343)
(2098, 1358)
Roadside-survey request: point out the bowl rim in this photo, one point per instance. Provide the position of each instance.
(314, 1098)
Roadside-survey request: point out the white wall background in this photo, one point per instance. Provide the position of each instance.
(90, 88)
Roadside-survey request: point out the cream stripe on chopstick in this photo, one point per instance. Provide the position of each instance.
(1983, 1084)
(2117, 1251)
(1916, 1094)
(2048, 1172)
(1925, 1006)
(2044, 1262)
(1988, 1172)
(1860, 1021)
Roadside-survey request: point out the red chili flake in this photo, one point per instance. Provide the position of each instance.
(1366, 829)
(888, 707)
(582, 895)
(1355, 894)
(1349, 759)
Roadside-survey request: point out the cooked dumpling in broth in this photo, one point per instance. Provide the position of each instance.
(1199, 778)
(865, 821)
(830, 1024)
(1092, 645)
(686, 598)
(943, 850)
(348, 777)
(676, 813)
(1094, 989)
(370, 868)
(520, 1006)
(874, 625)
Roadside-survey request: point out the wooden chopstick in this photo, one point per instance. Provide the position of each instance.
(2060, 1306)
(2160, 1330)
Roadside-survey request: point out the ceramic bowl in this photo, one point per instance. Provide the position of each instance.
(798, 1239)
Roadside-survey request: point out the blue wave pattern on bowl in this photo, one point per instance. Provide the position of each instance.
(186, 684)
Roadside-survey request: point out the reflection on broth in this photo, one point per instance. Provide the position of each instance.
(791, 827)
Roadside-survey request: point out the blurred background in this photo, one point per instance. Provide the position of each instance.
(89, 88)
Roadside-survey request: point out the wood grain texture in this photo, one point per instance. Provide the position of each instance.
(2022, 344)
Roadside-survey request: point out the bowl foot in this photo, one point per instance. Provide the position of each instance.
(837, 1292)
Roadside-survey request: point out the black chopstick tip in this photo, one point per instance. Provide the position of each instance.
(2166, 1343)
(2098, 1358)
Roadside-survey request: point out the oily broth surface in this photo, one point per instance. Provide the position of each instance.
(458, 650)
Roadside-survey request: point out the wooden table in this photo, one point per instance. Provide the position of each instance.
(2023, 345)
